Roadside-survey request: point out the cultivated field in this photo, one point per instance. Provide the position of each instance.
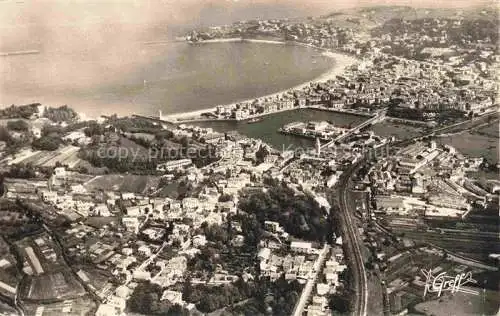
(51, 286)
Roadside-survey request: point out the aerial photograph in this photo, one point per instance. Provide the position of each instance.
(249, 157)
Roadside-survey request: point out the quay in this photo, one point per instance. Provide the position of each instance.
(196, 117)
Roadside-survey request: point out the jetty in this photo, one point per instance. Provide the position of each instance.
(19, 52)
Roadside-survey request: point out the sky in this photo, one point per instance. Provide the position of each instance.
(28, 23)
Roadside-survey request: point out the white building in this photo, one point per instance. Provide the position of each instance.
(173, 297)
(173, 165)
(302, 247)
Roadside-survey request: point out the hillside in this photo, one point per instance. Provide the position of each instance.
(369, 17)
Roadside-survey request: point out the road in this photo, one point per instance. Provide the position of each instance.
(308, 288)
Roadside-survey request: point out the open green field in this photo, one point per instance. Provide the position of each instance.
(473, 145)
(491, 130)
(123, 183)
(398, 130)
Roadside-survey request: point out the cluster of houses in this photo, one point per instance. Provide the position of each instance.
(426, 180)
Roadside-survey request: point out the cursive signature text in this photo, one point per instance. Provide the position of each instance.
(442, 283)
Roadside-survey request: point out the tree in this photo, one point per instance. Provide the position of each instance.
(94, 129)
(225, 198)
(146, 300)
(61, 114)
(261, 154)
(49, 143)
(4, 135)
(340, 304)
(187, 289)
(184, 142)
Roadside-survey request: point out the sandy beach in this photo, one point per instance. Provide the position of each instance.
(342, 61)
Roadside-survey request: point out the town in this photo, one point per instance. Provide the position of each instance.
(430, 72)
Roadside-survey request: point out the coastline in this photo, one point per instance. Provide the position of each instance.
(238, 39)
(341, 62)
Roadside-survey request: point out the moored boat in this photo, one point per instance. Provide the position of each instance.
(254, 120)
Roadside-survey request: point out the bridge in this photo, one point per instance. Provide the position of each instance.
(378, 117)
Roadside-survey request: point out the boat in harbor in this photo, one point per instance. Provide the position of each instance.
(254, 120)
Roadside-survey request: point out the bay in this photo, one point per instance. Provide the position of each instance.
(144, 78)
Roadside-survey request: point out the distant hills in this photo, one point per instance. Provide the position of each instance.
(369, 17)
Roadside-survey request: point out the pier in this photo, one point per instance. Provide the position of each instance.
(20, 52)
(159, 119)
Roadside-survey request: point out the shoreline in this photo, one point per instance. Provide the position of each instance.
(341, 62)
(239, 39)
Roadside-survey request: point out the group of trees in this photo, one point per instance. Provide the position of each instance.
(21, 111)
(13, 143)
(117, 163)
(94, 129)
(18, 126)
(132, 124)
(153, 153)
(210, 298)
(249, 298)
(46, 143)
(146, 300)
(20, 172)
(5, 136)
(61, 114)
(254, 297)
(205, 262)
(278, 297)
(301, 216)
(270, 298)
(225, 198)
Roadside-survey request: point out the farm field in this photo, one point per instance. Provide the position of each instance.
(54, 286)
(65, 156)
(75, 307)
